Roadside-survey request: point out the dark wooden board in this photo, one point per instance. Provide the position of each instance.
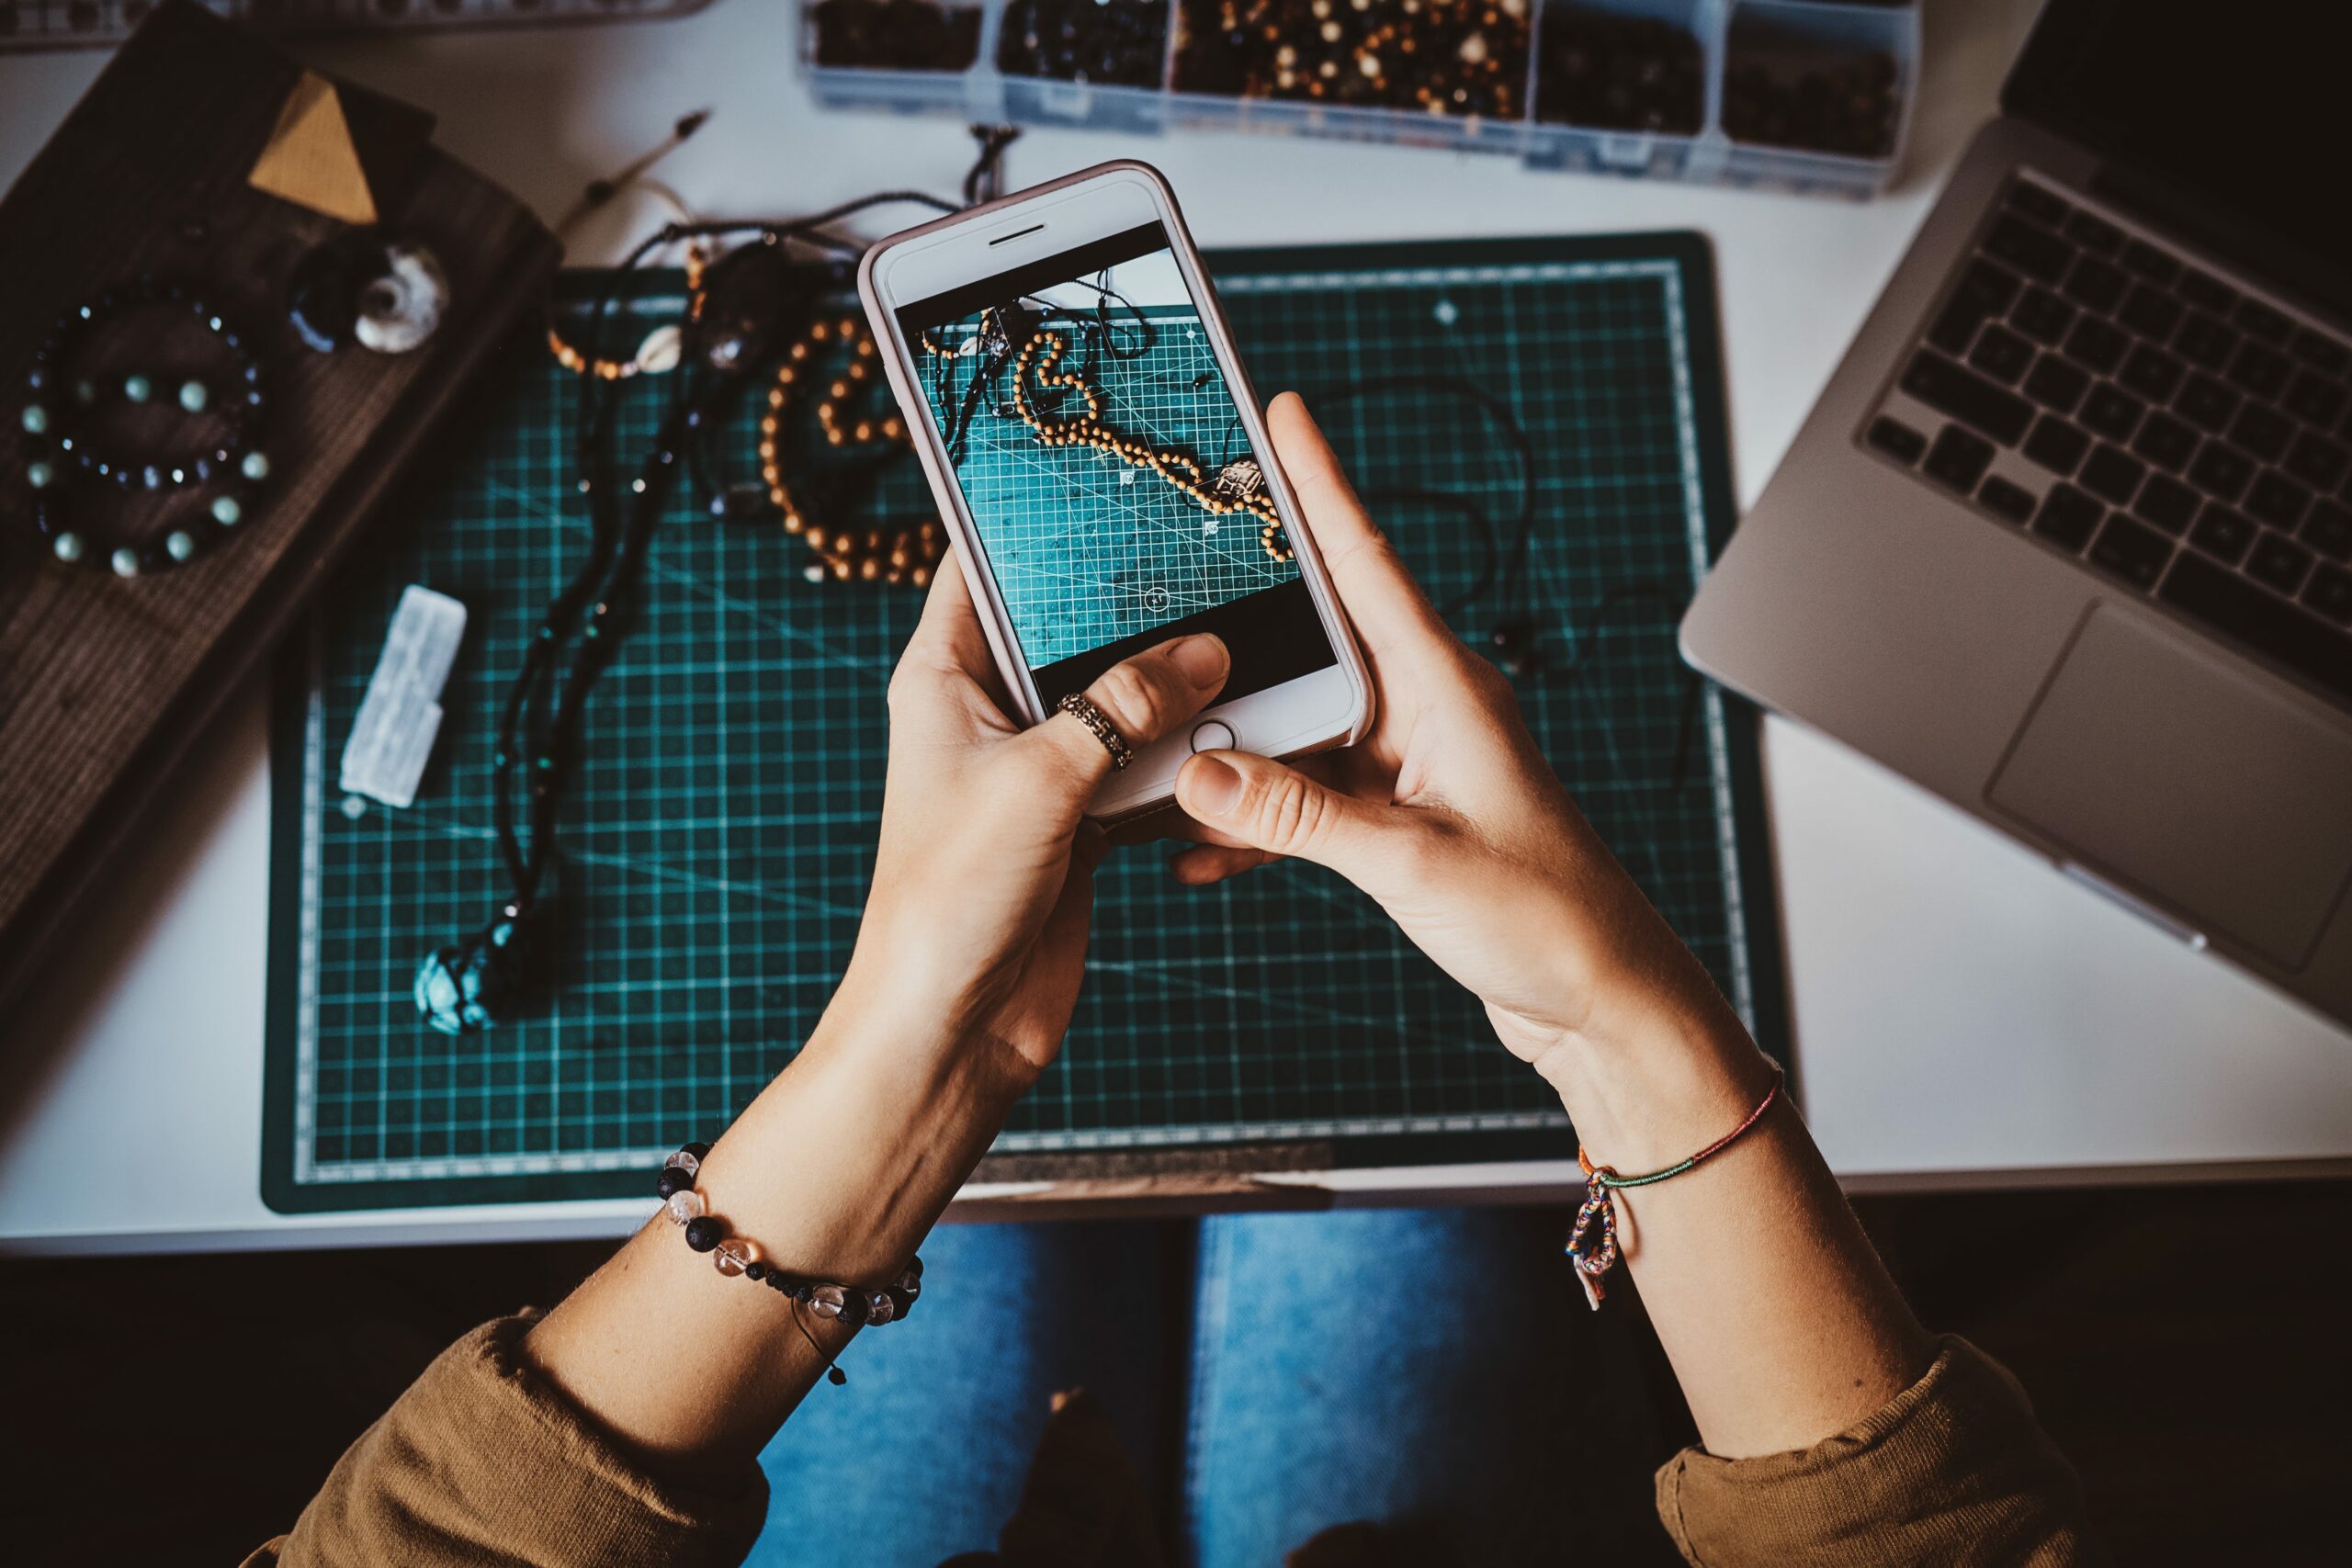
(105, 684)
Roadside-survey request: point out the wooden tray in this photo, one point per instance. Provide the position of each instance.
(106, 684)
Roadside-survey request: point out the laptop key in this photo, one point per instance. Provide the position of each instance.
(2113, 413)
(1959, 458)
(2132, 552)
(2113, 475)
(2166, 442)
(2057, 383)
(2206, 292)
(1897, 439)
(2151, 313)
(2056, 445)
(2043, 316)
(2263, 430)
(2222, 533)
(2166, 502)
(2012, 501)
(2262, 371)
(2221, 470)
(2314, 399)
(2328, 530)
(2317, 461)
(2207, 402)
(2095, 234)
(2236, 608)
(2151, 373)
(2068, 517)
(2204, 341)
(2149, 262)
(1958, 392)
(2039, 202)
(2030, 250)
(2096, 285)
(2002, 355)
(2330, 592)
(2097, 343)
(1982, 291)
(2262, 321)
(2278, 563)
(2276, 500)
(2317, 348)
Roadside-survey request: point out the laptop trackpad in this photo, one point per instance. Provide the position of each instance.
(2166, 768)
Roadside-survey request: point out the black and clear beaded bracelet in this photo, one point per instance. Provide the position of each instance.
(58, 448)
(857, 1305)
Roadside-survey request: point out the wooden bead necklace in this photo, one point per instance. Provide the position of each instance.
(895, 553)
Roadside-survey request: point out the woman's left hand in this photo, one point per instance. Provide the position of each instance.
(974, 934)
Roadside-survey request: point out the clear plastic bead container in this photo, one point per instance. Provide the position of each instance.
(1809, 96)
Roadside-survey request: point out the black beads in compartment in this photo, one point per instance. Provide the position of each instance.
(1115, 42)
(1616, 70)
(898, 35)
(1450, 57)
(1812, 78)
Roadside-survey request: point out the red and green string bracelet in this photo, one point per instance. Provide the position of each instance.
(1591, 1263)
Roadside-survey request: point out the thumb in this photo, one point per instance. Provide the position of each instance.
(1265, 804)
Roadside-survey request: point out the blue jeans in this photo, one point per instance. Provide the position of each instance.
(1272, 1375)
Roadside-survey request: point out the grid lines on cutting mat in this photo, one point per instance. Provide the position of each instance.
(720, 836)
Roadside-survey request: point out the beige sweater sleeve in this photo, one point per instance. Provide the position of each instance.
(1954, 1471)
(482, 1462)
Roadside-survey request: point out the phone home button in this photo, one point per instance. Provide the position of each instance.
(1215, 736)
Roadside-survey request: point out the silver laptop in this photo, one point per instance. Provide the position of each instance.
(2068, 539)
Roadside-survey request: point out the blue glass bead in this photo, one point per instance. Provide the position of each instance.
(126, 563)
(36, 420)
(68, 546)
(179, 544)
(193, 396)
(137, 388)
(255, 467)
(226, 511)
(151, 477)
(40, 476)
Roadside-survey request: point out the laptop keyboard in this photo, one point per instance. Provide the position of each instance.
(2083, 381)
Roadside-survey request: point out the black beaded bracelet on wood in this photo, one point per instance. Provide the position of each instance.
(857, 1305)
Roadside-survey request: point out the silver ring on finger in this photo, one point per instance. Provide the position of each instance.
(1081, 708)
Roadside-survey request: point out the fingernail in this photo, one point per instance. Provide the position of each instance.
(1202, 659)
(1211, 784)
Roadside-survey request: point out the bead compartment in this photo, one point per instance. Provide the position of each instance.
(1006, 85)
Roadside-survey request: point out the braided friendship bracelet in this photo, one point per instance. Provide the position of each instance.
(1591, 1261)
(856, 1305)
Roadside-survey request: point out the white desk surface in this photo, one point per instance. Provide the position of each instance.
(1963, 1016)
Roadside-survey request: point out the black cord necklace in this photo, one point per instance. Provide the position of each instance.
(475, 981)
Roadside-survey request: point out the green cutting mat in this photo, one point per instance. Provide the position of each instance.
(720, 836)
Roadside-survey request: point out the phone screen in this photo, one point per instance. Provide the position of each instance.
(1106, 468)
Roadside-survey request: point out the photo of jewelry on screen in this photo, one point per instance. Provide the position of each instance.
(1105, 468)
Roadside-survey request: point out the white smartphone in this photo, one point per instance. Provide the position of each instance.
(1103, 467)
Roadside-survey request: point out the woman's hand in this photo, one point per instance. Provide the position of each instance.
(983, 885)
(1448, 814)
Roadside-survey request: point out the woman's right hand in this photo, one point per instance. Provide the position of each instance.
(1448, 816)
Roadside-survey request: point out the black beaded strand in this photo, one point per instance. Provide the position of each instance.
(59, 450)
